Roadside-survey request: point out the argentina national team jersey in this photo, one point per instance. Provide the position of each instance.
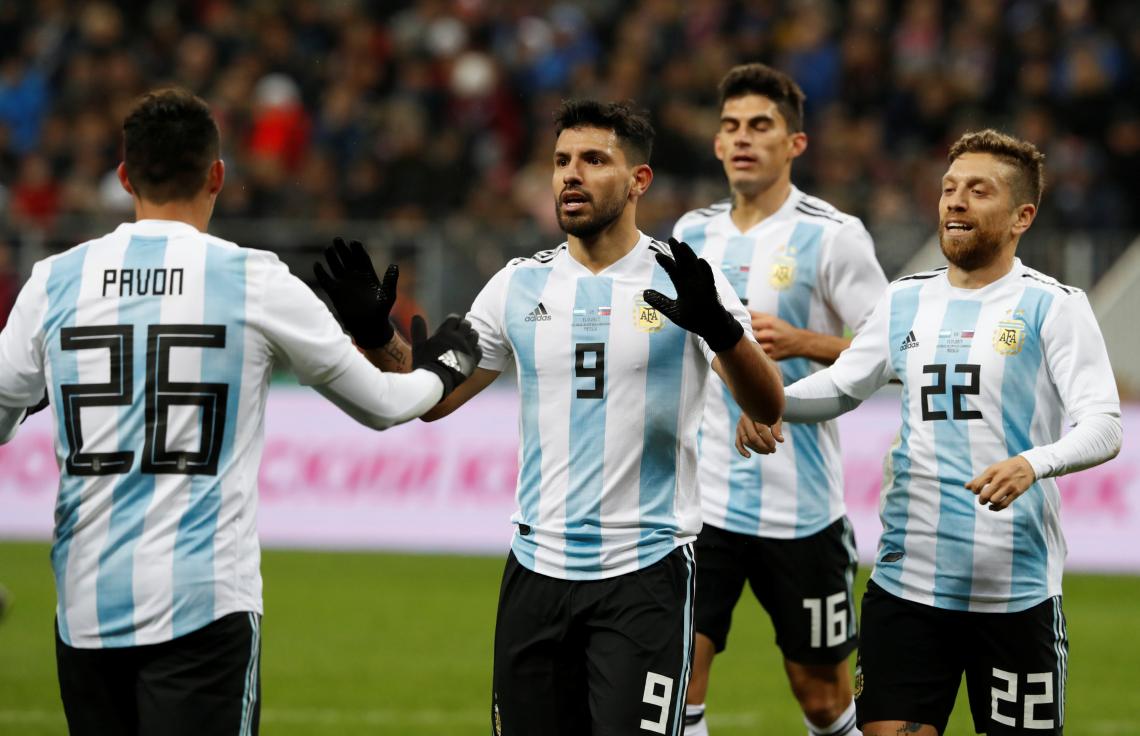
(987, 374)
(814, 267)
(157, 342)
(611, 394)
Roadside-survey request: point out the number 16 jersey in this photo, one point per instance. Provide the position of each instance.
(611, 398)
(987, 374)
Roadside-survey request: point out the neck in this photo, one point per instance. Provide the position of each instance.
(749, 209)
(195, 212)
(1002, 264)
(607, 247)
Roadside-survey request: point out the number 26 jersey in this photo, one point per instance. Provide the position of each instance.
(987, 374)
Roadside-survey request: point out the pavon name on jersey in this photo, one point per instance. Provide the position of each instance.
(121, 282)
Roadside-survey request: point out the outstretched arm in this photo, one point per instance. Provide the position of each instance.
(363, 302)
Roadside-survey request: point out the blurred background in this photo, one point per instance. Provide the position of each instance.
(424, 127)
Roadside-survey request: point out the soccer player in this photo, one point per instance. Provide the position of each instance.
(593, 633)
(155, 343)
(992, 356)
(804, 270)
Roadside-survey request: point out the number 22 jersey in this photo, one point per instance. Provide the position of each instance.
(987, 374)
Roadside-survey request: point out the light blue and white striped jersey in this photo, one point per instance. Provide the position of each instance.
(987, 374)
(611, 396)
(814, 267)
(157, 343)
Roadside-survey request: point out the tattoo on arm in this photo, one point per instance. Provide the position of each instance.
(394, 352)
(909, 727)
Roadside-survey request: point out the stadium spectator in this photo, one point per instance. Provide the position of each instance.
(479, 84)
(992, 356)
(155, 550)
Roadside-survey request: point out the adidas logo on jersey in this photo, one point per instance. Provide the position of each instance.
(538, 314)
(910, 341)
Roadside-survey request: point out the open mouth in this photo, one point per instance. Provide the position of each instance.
(572, 201)
(958, 226)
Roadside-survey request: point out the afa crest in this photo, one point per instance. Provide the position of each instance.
(1009, 335)
(783, 273)
(646, 317)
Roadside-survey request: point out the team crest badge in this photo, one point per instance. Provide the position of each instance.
(645, 317)
(858, 684)
(783, 273)
(1009, 335)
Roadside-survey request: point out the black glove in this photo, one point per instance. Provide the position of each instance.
(697, 307)
(360, 299)
(452, 353)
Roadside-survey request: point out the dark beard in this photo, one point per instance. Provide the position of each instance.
(978, 252)
(588, 227)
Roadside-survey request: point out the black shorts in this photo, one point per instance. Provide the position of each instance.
(912, 658)
(206, 682)
(603, 657)
(806, 586)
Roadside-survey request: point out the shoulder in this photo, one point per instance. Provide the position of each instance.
(703, 214)
(917, 279)
(1033, 277)
(543, 258)
(816, 209)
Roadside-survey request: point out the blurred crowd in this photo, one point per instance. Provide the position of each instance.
(424, 111)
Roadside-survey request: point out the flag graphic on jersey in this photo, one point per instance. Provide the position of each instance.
(155, 342)
(815, 268)
(610, 394)
(991, 374)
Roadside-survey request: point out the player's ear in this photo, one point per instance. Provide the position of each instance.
(642, 178)
(718, 148)
(121, 171)
(215, 177)
(1023, 216)
(799, 142)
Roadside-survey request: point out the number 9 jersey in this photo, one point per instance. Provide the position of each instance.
(611, 399)
(987, 374)
(156, 344)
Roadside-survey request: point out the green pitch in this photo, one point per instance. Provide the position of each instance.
(391, 644)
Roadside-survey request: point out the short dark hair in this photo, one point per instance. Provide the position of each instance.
(1023, 156)
(761, 79)
(169, 141)
(634, 131)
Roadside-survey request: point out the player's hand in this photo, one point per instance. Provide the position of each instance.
(452, 353)
(778, 337)
(697, 307)
(359, 297)
(752, 435)
(1001, 483)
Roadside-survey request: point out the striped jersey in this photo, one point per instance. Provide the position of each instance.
(986, 375)
(611, 393)
(814, 267)
(156, 343)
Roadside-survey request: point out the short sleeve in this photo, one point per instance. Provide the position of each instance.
(1077, 359)
(853, 281)
(487, 317)
(865, 366)
(22, 380)
(299, 328)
